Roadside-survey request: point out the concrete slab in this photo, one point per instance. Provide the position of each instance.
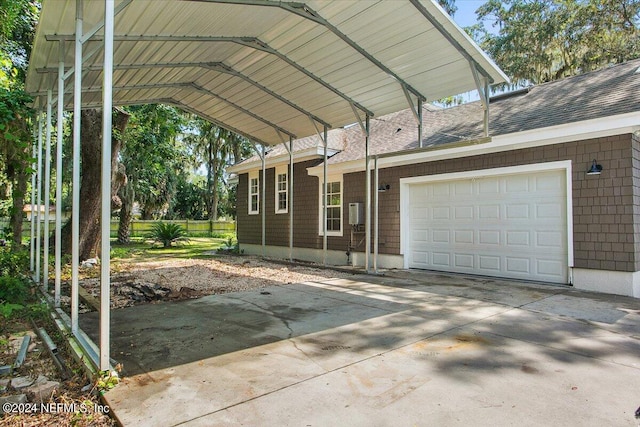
(377, 351)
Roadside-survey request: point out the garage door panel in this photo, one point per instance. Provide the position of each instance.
(463, 212)
(490, 264)
(441, 259)
(486, 212)
(504, 225)
(549, 239)
(489, 237)
(464, 261)
(518, 266)
(441, 213)
(441, 236)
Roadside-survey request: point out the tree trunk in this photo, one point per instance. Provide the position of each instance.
(127, 195)
(90, 197)
(17, 214)
(211, 213)
(16, 165)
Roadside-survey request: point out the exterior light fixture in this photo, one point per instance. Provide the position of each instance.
(384, 187)
(595, 168)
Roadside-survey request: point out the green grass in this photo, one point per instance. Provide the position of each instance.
(141, 249)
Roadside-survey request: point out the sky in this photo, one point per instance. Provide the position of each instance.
(466, 13)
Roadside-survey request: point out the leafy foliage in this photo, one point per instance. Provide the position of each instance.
(153, 156)
(15, 289)
(544, 40)
(168, 233)
(216, 148)
(13, 263)
(189, 202)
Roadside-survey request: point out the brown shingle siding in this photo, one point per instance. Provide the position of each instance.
(606, 208)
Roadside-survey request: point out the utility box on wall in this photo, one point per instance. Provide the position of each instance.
(356, 213)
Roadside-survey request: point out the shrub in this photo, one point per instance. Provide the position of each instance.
(168, 233)
(14, 264)
(13, 290)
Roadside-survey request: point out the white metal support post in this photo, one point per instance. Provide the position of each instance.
(47, 192)
(105, 218)
(263, 200)
(290, 201)
(376, 211)
(38, 198)
(420, 131)
(75, 213)
(367, 197)
(32, 243)
(59, 142)
(325, 197)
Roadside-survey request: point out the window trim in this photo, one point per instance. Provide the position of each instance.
(330, 179)
(281, 170)
(253, 175)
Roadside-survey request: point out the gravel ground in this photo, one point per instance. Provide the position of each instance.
(175, 279)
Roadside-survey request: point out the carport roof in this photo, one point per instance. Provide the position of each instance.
(265, 69)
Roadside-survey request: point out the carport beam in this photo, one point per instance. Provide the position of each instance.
(32, 242)
(324, 197)
(105, 218)
(290, 201)
(59, 142)
(38, 198)
(263, 195)
(75, 194)
(376, 210)
(420, 129)
(47, 191)
(367, 197)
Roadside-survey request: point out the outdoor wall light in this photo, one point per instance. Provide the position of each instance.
(384, 187)
(595, 168)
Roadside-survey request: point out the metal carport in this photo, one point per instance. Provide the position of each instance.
(272, 71)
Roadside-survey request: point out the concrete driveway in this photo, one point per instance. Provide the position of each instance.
(416, 349)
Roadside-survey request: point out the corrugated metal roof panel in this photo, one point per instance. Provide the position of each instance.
(274, 44)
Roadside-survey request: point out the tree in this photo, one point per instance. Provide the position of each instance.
(189, 202)
(90, 186)
(544, 40)
(153, 157)
(449, 6)
(15, 155)
(17, 28)
(216, 147)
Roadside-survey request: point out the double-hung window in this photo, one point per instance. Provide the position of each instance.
(334, 207)
(254, 193)
(282, 189)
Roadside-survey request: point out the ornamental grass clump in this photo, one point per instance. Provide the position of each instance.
(168, 233)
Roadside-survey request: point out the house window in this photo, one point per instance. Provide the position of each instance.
(334, 207)
(282, 190)
(254, 193)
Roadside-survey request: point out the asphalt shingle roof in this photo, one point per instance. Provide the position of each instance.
(607, 92)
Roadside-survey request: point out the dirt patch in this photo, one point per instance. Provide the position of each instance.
(167, 279)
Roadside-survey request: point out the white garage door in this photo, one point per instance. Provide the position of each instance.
(512, 226)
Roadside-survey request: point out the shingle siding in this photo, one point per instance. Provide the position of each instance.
(606, 208)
